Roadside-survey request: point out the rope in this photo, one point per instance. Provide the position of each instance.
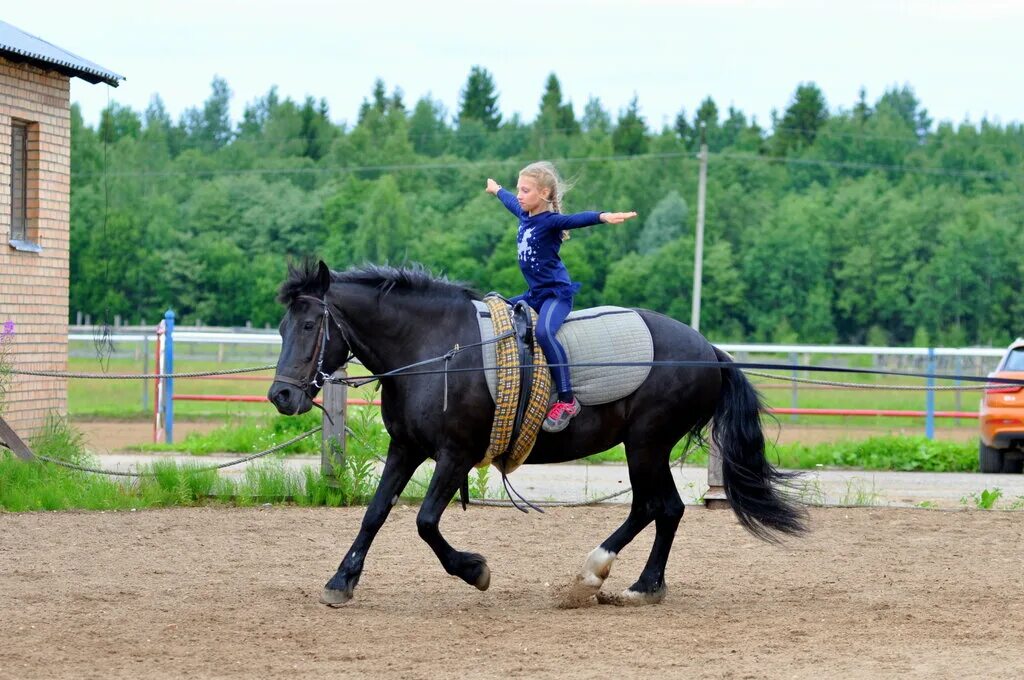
(985, 382)
(499, 503)
(140, 376)
(118, 473)
(864, 386)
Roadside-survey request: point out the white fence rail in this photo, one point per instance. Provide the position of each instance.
(219, 336)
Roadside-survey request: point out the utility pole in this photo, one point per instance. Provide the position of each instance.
(698, 253)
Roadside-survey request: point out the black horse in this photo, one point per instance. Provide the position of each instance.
(392, 318)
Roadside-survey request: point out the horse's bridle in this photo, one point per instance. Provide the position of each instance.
(318, 377)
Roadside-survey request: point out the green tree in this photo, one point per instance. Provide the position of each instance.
(555, 121)
(806, 114)
(595, 119)
(630, 134)
(209, 128)
(479, 100)
(384, 231)
(428, 131)
(665, 223)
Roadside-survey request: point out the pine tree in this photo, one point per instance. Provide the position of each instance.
(630, 135)
(803, 118)
(480, 100)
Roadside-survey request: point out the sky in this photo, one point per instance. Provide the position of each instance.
(962, 58)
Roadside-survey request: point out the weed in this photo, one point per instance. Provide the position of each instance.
(478, 485)
(857, 494)
(985, 500)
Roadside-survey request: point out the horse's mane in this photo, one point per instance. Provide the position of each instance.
(302, 277)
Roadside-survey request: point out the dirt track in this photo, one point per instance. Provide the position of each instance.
(233, 593)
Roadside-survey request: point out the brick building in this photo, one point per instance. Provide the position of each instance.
(35, 187)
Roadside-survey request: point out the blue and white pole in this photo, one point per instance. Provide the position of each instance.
(169, 382)
(929, 418)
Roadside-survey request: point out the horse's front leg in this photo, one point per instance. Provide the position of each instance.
(398, 470)
(448, 475)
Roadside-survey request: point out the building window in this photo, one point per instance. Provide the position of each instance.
(22, 232)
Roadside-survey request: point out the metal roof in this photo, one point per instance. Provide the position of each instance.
(17, 45)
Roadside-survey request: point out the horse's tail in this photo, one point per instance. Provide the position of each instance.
(752, 484)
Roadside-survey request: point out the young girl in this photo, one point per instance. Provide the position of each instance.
(538, 205)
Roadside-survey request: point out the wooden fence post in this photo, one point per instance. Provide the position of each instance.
(715, 497)
(332, 442)
(10, 439)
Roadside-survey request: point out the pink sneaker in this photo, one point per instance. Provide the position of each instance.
(560, 414)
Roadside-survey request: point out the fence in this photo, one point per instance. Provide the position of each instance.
(221, 345)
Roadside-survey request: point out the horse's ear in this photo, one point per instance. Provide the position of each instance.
(323, 279)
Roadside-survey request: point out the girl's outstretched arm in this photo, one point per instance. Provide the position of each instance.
(616, 217)
(505, 197)
(590, 218)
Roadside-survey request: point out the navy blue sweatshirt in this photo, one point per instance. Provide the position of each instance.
(539, 239)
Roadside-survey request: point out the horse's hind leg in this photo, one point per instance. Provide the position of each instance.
(667, 508)
(448, 475)
(654, 499)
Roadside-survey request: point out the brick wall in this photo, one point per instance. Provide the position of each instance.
(34, 286)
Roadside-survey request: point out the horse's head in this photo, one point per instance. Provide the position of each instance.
(313, 345)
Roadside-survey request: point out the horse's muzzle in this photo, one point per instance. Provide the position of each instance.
(288, 399)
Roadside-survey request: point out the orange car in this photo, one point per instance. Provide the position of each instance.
(1001, 447)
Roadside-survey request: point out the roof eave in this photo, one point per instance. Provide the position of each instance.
(86, 74)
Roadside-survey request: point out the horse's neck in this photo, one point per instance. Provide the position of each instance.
(393, 330)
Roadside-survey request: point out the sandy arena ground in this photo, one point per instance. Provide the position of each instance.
(232, 593)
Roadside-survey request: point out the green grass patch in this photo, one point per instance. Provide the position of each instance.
(27, 486)
(250, 436)
(133, 398)
(907, 453)
(880, 453)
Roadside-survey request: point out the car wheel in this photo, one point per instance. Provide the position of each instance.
(989, 460)
(1013, 465)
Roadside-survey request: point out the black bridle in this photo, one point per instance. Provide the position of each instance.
(319, 378)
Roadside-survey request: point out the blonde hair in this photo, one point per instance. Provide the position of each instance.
(547, 177)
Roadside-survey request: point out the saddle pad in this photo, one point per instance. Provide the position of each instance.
(597, 335)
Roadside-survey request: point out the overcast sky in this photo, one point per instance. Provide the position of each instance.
(963, 59)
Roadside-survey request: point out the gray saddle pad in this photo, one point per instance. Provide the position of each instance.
(596, 335)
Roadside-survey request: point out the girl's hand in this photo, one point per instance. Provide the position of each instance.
(492, 187)
(616, 218)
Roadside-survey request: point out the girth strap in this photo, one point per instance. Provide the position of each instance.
(520, 405)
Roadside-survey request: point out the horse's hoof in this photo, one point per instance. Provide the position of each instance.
(577, 593)
(483, 581)
(632, 598)
(335, 598)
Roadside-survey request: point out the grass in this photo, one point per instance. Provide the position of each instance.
(46, 486)
(238, 435)
(124, 398)
(133, 398)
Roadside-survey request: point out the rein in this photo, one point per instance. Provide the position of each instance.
(319, 378)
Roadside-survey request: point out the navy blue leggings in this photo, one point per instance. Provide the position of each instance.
(550, 316)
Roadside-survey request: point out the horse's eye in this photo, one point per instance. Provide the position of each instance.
(308, 326)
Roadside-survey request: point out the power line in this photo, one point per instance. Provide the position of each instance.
(618, 158)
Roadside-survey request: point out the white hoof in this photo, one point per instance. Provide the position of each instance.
(588, 582)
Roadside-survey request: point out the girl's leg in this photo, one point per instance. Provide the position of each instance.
(552, 314)
(550, 317)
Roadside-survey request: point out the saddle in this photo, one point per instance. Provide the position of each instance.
(598, 335)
